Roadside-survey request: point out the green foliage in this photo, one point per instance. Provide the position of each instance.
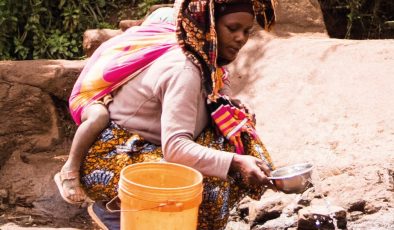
(365, 19)
(32, 29)
(53, 29)
(144, 7)
(139, 9)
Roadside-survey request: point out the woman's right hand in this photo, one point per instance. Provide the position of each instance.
(253, 170)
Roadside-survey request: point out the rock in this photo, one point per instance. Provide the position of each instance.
(317, 217)
(371, 208)
(269, 207)
(3, 193)
(355, 215)
(299, 17)
(29, 117)
(390, 173)
(243, 207)
(54, 77)
(307, 197)
(3, 199)
(38, 192)
(125, 24)
(12, 226)
(261, 212)
(237, 226)
(12, 198)
(35, 127)
(381, 220)
(29, 120)
(3, 206)
(357, 206)
(282, 222)
(93, 38)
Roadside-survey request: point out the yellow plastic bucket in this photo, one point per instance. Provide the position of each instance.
(159, 196)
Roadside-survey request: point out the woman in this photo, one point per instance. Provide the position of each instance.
(175, 108)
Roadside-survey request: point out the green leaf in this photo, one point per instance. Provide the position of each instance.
(101, 3)
(61, 4)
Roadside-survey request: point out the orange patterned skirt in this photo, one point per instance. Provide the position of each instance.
(116, 148)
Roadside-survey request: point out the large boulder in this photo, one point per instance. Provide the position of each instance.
(326, 102)
(93, 38)
(32, 95)
(36, 129)
(303, 16)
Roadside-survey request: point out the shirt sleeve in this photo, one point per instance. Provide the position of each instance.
(181, 96)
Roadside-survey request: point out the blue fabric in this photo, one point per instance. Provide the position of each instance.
(163, 14)
(110, 219)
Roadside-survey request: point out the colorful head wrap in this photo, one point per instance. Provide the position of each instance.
(224, 9)
(196, 34)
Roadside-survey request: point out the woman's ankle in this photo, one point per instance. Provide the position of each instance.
(70, 167)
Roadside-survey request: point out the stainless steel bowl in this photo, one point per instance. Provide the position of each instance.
(292, 179)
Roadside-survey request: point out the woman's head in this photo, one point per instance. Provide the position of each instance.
(233, 24)
(211, 40)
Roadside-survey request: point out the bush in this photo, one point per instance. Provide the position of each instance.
(359, 19)
(53, 29)
(369, 19)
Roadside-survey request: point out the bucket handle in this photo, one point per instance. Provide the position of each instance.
(114, 202)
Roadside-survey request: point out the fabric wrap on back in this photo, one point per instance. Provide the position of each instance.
(118, 60)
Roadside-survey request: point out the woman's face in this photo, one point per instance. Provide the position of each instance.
(233, 32)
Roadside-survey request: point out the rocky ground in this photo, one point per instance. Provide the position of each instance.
(318, 100)
(326, 102)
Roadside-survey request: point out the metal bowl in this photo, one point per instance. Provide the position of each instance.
(292, 179)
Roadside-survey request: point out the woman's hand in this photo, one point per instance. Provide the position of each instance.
(253, 170)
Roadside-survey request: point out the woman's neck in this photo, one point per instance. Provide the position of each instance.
(221, 61)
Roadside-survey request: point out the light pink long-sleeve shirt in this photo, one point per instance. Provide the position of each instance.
(166, 105)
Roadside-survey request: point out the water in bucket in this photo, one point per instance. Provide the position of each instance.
(159, 196)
